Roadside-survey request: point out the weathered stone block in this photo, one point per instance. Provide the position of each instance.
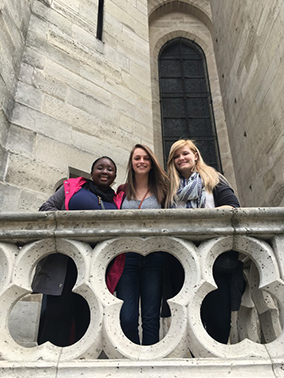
(61, 156)
(21, 140)
(26, 73)
(90, 105)
(49, 85)
(41, 123)
(77, 118)
(29, 96)
(33, 58)
(28, 173)
(48, 15)
(4, 125)
(31, 200)
(3, 162)
(9, 197)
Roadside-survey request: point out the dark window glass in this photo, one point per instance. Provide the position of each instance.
(100, 19)
(186, 104)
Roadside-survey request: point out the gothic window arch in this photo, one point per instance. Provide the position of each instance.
(185, 97)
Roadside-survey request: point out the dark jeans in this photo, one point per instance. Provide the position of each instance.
(141, 278)
(62, 311)
(216, 309)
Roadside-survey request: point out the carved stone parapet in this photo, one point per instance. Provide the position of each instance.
(196, 238)
(90, 226)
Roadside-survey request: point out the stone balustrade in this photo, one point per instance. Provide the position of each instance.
(196, 238)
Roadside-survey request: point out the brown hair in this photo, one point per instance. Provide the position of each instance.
(209, 175)
(157, 179)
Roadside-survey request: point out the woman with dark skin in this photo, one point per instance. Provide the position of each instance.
(57, 273)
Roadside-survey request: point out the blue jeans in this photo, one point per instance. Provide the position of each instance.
(141, 278)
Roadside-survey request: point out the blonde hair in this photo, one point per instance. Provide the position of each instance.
(209, 175)
(157, 180)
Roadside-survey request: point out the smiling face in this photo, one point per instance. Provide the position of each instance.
(103, 173)
(141, 161)
(185, 161)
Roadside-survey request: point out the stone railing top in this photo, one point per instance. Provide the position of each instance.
(197, 224)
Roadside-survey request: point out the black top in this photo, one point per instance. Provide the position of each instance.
(224, 195)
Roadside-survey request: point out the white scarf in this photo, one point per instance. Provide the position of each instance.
(191, 191)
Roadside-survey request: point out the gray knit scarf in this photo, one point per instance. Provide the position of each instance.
(192, 192)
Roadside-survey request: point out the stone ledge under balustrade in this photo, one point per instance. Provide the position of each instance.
(196, 237)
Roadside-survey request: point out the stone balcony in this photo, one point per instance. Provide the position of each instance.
(196, 238)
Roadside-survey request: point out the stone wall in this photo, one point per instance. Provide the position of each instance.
(77, 97)
(67, 97)
(248, 41)
(14, 19)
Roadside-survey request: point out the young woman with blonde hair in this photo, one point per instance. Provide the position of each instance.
(194, 184)
(186, 166)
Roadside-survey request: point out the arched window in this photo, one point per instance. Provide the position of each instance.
(186, 104)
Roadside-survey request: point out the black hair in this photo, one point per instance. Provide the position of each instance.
(103, 157)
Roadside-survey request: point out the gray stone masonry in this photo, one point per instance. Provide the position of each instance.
(250, 59)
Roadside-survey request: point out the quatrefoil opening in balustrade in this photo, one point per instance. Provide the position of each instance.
(260, 317)
(28, 257)
(116, 344)
(145, 285)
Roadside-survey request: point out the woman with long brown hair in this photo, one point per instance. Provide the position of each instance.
(142, 276)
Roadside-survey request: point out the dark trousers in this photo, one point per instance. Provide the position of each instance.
(216, 309)
(64, 311)
(141, 278)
